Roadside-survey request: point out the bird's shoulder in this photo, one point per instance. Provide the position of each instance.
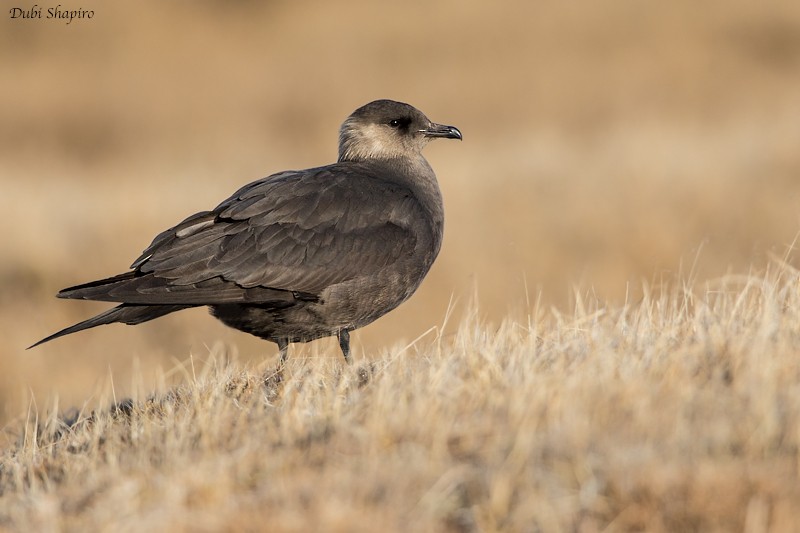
(337, 184)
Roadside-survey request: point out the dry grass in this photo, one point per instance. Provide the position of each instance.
(680, 412)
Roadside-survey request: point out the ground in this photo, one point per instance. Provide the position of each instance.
(680, 412)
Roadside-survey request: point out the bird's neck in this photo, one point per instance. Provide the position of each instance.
(413, 173)
(418, 176)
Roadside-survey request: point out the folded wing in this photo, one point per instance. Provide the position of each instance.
(288, 236)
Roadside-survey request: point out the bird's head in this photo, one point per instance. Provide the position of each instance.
(385, 129)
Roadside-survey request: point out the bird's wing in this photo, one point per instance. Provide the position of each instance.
(298, 231)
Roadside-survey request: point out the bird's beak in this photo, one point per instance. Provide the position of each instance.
(440, 130)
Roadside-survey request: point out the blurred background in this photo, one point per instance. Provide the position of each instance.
(605, 144)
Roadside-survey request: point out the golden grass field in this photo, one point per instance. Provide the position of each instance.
(678, 413)
(621, 296)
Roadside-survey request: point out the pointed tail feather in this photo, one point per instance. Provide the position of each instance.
(126, 314)
(96, 290)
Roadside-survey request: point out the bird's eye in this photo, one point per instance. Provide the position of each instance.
(395, 123)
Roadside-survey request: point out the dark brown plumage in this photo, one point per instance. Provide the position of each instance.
(303, 254)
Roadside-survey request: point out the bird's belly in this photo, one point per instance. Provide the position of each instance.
(348, 305)
(357, 303)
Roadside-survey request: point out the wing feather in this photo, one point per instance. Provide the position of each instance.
(295, 231)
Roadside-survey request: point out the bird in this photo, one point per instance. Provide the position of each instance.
(300, 254)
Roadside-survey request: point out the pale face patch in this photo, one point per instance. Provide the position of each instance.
(375, 141)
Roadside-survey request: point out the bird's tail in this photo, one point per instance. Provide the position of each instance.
(97, 290)
(130, 314)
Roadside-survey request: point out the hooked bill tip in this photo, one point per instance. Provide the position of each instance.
(445, 132)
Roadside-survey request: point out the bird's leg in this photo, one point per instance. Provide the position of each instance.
(283, 346)
(344, 344)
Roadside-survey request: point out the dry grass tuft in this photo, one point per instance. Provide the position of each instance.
(677, 412)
